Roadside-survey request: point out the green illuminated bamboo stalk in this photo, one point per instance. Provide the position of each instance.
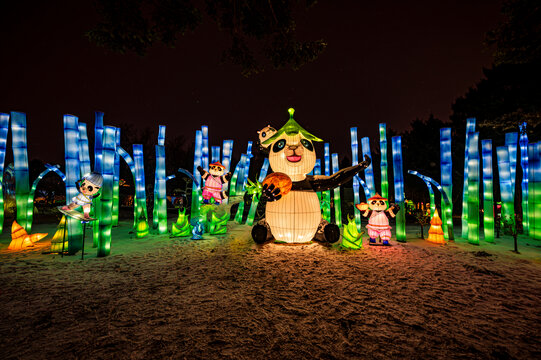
(106, 197)
(20, 157)
(534, 190)
(383, 149)
(356, 184)
(336, 193)
(473, 189)
(243, 173)
(4, 128)
(48, 169)
(73, 172)
(508, 208)
(524, 165)
(142, 217)
(98, 160)
(116, 181)
(446, 167)
(470, 129)
(196, 189)
(488, 192)
(182, 227)
(396, 147)
(255, 198)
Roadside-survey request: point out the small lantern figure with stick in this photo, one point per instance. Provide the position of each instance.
(435, 233)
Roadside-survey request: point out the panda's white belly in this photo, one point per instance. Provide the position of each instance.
(295, 217)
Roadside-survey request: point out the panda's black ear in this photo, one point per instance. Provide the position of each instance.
(264, 150)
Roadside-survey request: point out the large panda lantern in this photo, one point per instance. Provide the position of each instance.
(294, 215)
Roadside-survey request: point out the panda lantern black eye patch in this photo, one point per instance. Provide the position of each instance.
(279, 145)
(307, 144)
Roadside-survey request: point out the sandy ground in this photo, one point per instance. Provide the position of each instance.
(226, 298)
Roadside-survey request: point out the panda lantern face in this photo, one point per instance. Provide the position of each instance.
(377, 205)
(292, 155)
(215, 170)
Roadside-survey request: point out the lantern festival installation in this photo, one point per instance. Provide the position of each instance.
(446, 167)
(20, 239)
(182, 226)
(4, 128)
(524, 164)
(378, 213)
(20, 160)
(326, 195)
(351, 238)
(508, 208)
(368, 172)
(473, 189)
(58, 242)
(356, 184)
(159, 213)
(196, 188)
(295, 216)
(336, 194)
(142, 229)
(534, 190)
(98, 160)
(106, 198)
(399, 187)
(255, 197)
(511, 141)
(435, 233)
(470, 129)
(383, 164)
(488, 191)
(116, 181)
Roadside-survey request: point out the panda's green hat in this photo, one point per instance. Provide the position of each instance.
(291, 128)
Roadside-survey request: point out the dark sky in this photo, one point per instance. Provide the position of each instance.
(387, 61)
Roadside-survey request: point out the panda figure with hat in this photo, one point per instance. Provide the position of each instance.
(378, 218)
(214, 181)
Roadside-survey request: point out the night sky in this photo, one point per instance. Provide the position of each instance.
(391, 61)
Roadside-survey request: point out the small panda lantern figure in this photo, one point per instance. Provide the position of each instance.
(214, 181)
(293, 213)
(378, 218)
(88, 188)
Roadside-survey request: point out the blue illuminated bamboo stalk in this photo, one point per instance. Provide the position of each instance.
(116, 181)
(488, 191)
(73, 172)
(524, 164)
(336, 194)
(48, 169)
(98, 160)
(196, 189)
(317, 171)
(473, 189)
(84, 157)
(131, 164)
(142, 217)
(226, 161)
(215, 152)
(106, 197)
(508, 207)
(446, 167)
(326, 195)
(159, 211)
(399, 188)
(511, 141)
(20, 157)
(255, 199)
(470, 129)
(368, 172)
(383, 164)
(4, 128)
(534, 190)
(356, 184)
(205, 147)
(432, 199)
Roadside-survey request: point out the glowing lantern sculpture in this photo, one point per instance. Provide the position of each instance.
(470, 129)
(511, 141)
(399, 188)
(20, 157)
(295, 217)
(488, 192)
(508, 208)
(227, 150)
(534, 190)
(106, 198)
(473, 189)
(326, 195)
(182, 226)
(446, 166)
(59, 240)
(336, 194)
(356, 184)
(116, 181)
(20, 239)
(142, 217)
(524, 165)
(159, 213)
(435, 233)
(4, 128)
(383, 165)
(196, 189)
(98, 160)
(255, 198)
(368, 172)
(351, 238)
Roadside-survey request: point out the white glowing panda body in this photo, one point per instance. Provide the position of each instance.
(296, 216)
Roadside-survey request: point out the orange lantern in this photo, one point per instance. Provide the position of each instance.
(20, 238)
(280, 181)
(435, 233)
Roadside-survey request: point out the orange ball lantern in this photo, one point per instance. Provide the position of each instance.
(279, 180)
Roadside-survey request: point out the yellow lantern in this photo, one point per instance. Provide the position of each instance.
(20, 238)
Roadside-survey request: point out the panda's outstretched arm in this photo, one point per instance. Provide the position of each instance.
(322, 182)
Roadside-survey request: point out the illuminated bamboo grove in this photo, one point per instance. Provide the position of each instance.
(116, 181)
(473, 189)
(524, 164)
(142, 217)
(73, 172)
(336, 194)
(159, 218)
(399, 188)
(20, 160)
(470, 129)
(98, 160)
(488, 191)
(227, 151)
(368, 172)
(446, 181)
(383, 164)
(244, 179)
(326, 195)
(106, 197)
(4, 128)
(534, 190)
(511, 141)
(356, 184)
(255, 198)
(508, 207)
